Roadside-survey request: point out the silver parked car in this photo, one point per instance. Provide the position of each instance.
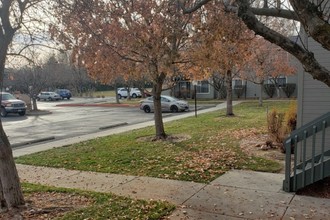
(168, 104)
(50, 96)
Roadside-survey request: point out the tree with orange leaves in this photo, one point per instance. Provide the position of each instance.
(131, 39)
(221, 47)
(267, 61)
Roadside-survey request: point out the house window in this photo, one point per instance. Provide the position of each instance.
(203, 87)
(281, 81)
(238, 82)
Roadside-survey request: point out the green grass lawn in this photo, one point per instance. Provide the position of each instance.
(210, 148)
(96, 205)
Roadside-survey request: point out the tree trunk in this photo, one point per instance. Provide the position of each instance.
(2, 199)
(229, 93)
(33, 97)
(34, 104)
(128, 93)
(159, 125)
(11, 187)
(278, 92)
(261, 93)
(117, 98)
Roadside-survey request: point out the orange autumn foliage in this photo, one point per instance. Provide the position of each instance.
(267, 61)
(140, 40)
(222, 42)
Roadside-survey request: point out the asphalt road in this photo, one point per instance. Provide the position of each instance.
(64, 122)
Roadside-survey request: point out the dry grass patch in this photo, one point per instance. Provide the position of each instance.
(49, 205)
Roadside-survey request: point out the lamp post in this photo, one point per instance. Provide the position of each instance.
(195, 91)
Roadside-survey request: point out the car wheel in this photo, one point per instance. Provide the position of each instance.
(21, 113)
(68, 98)
(146, 109)
(134, 95)
(50, 99)
(119, 96)
(3, 112)
(174, 108)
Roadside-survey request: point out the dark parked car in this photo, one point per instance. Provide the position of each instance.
(10, 104)
(64, 93)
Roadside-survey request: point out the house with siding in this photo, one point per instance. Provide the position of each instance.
(313, 95)
(310, 142)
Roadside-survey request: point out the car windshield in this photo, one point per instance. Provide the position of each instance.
(171, 98)
(164, 98)
(7, 96)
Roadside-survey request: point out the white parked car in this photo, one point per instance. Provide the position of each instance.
(123, 93)
(50, 96)
(169, 104)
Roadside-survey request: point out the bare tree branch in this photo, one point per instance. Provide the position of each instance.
(307, 58)
(193, 8)
(274, 12)
(313, 21)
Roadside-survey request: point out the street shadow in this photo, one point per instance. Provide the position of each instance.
(14, 117)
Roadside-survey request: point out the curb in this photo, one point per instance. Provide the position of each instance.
(98, 105)
(38, 112)
(113, 126)
(33, 141)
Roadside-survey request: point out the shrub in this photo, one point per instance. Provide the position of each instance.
(290, 118)
(289, 89)
(280, 124)
(270, 90)
(275, 126)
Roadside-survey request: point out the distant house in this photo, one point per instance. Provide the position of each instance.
(242, 89)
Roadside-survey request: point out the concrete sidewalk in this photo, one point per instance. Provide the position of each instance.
(235, 195)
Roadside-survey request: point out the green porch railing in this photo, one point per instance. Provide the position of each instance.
(314, 166)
